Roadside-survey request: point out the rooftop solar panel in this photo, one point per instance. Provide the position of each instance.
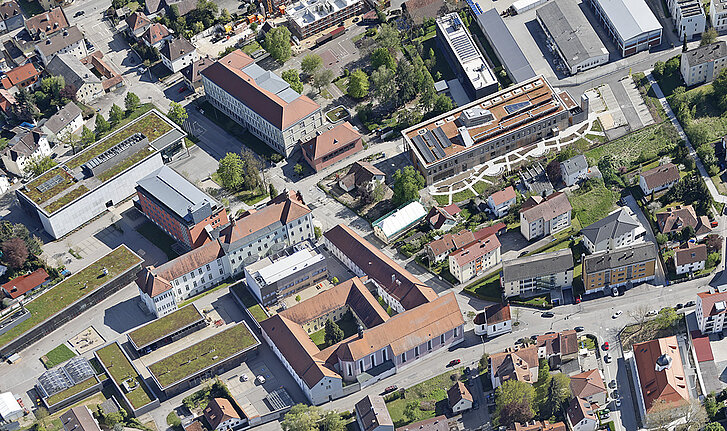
(49, 184)
(432, 141)
(443, 139)
(517, 106)
(423, 149)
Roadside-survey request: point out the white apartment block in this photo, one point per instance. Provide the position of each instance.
(177, 54)
(475, 258)
(688, 18)
(542, 217)
(617, 230)
(703, 64)
(718, 14)
(711, 310)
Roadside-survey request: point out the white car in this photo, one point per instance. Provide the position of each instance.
(244, 378)
(616, 314)
(652, 313)
(260, 379)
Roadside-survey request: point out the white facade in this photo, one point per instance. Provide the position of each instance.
(77, 49)
(472, 268)
(17, 166)
(501, 209)
(493, 329)
(391, 226)
(71, 127)
(647, 191)
(718, 14)
(690, 267)
(10, 409)
(585, 424)
(181, 62)
(634, 236)
(711, 320)
(540, 227)
(160, 305)
(461, 406)
(232, 424)
(558, 280)
(89, 92)
(688, 17)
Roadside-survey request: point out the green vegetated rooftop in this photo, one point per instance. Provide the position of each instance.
(121, 370)
(202, 355)
(73, 390)
(151, 124)
(167, 325)
(72, 289)
(254, 307)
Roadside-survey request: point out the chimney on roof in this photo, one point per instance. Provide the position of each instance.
(360, 331)
(663, 362)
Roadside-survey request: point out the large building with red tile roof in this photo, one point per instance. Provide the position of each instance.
(331, 146)
(514, 364)
(660, 378)
(711, 310)
(475, 258)
(47, 23)
(23, 284)
(261, 101)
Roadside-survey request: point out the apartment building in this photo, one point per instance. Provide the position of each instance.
(537, 274)
(261, 101)
(688, 18)
(703, 64)
(710, 312)
(616, 230)
(69, 41)
(310, 17)
(718, 14)
(178, 53)
(438, 250)
(545, 216)
(475, 258)
(629, 265)
(27, 145)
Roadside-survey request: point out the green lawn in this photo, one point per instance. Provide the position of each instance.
(72, 289)
(202, 355)
(649, 142)
(429, 396)
(205, 293)
(342, 84)
(442, 200)
(69, 392)
(159, 238)
(121, 370)
(251, 47)
(487, 289)
(57, 356)
(462, 195)
(168, 324)
(250, 302)
(594, 205)
(348, 324)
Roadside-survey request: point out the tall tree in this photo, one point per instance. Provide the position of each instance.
(310, 64)
(116, 114)
(358, 84)
(131, 101)
(230, 171)
(382, 57)
(322, 78)
(102, 126)
(333, 332)
(15, 252)
(38, 165)
(388, 37)
(291, 77)
(709, 36)
(251, 170)
(301, 417)
(406, 81)
(332, 422)
(407, 184)
(87, 136)
(177, 113)
(557, 393)
(277, 43)
(383, 85)
(514, 403)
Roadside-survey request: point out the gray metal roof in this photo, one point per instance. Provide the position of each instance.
(611, 226)
(619, 258)
(271, 82)
(178, 194)
(505, 47)
(630, 17)
(571, 31)
(574, 164)
(72, 70)
(537, 265)
(705, 54)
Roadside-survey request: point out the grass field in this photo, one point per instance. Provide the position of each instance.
(202, 355)
(487, 289)
(707, 123)
(649, 141)
(594, 205)
(430, 397)
(251, 303)
(348, 324)
(159, 238)
(72, 289)
(57, 356)
(121, 369)
(166, 325)
(69, 392)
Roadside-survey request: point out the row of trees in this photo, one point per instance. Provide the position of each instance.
(303, 417)
(195, 21)
(241, 172)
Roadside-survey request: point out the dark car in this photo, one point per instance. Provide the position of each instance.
(690, 304)
(524, 253)
(679, 306)
(579, 329)
(79, 13)
(547, 314)
(454, 362)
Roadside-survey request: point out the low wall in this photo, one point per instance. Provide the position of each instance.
(11, 322)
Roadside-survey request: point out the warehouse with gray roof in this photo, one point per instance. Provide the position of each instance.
(572, 37)
(507, 50)
(630, 23)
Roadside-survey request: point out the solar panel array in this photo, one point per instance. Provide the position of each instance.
(423, 149)
(49, 184)
(475, 7)
(58, 379)
(431, 144)
(279, 399)
(517, 106)
(114, 151)
(443, 139)
(464, 47)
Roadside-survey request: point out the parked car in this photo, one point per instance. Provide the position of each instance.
(614, 394)
(260, 379)
(605, 345)
(579, 329)
(618, 402)
(244, 378)
(616, 314)
(612, 384)
(607, 358)
(547, 314)
(79, 13)
(690, 304)
(679, 306)
(391, 388)
(652, 313)
(454, 362)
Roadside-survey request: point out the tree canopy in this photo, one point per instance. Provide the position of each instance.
(310, 64)
(407, 184)
(291, 77)
(358, 84)
(514, 403)
(277, 43)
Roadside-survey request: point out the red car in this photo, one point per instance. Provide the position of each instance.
(391, 388)
(605, 345)
(454, 362)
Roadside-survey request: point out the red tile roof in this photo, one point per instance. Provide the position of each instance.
(47, 22)
(22, 73)
(535, 207)
(137, 20)
(702, 347)
(475, 250)
(21, 285)
(502, 196)
(665, 388)
(560, 343)
(587, 384)
(331, 140)
(709, 300)
(218, 411)
(691, 254)
(155, 33)
(458, 392)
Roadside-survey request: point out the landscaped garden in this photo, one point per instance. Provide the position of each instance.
(167, 325)
(348, 325)
(73, 288)
(202, 355)
(122, 371)
(337, 114)
(57, 356)
(422, 401)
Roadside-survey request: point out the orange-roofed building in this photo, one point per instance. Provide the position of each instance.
(660, 379)
(331, 146)
(25, 76)
(23, 284)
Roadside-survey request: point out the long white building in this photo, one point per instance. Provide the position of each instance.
(630, 23)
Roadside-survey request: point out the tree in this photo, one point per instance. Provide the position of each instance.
(277, 43)
(405, 80)
(177, 113)
(38, 165)
(442, 103)
(513, 403)
(301, 417)
(557, 393)
(407, 184)
(383, 84)
(225, 16)
(131, 101)
(712, 260)
(273, 191)
(608, 170)
(24, 109)
(333, 332)
(102, 126)
(661, 238)
(332, 421)
(706, 154)
(358, 84)
(708, 37)
(291, 77)
(251, 170)
(52, 86)
(553, 171)
(412, 411)
(382, 57)
(484, 363)
(658, 71)
(640, 314)
(15, 252)
(686, 233)
(692, 415)
(322, 78)
(298, 169)
(714, 243)
(116, 114)
(666, 317)
(310, 64)
(714, 426)
(711, 406)
(230, 171)
(370, 195)
(388, 37)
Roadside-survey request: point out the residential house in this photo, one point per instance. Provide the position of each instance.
(192, 74)
(437, 423)
(688, 18)
(501, 201)
(178, 53)
(333, 145)
(459, 398)
(475, 258)
(397, 222)
(493, 321)
(589, 386)
(110, 78)
(438, 250)
(514, 364)
(49, 4)
(261, 101)
(710, 312)
(372, 414)
(582, 415)
(658, 375)
(617, 230)
(136, 24)
(362, 175)
(195, 425)
(574, 169)
(26, 283)
(539, 426)
(659, 178)
(718, 14)
(67, 121)
(47, 24)
(703, 64)
(536, 181)
(7, 102)
(87, 86)
(69, 41)
(79, 418)
(690, 258)
(545, 216)
(625, 266)
(222, 416)
(25, 146)
(178, 207)
(156, 35)
(11, 18)
(24, 76)
(443, 218)
(674, 219)
(558, 347)
(537, 274)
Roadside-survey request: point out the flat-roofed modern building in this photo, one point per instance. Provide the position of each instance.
(261, 101)
(718, 14)
(178, 207)
(704, 63)
(630, 23)
(537, 274)
(490, 127)
(309, 17)
(608, 269)
(472, 70)
(569, 31)
(101, 176)
(506, 48)
(688, 18)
